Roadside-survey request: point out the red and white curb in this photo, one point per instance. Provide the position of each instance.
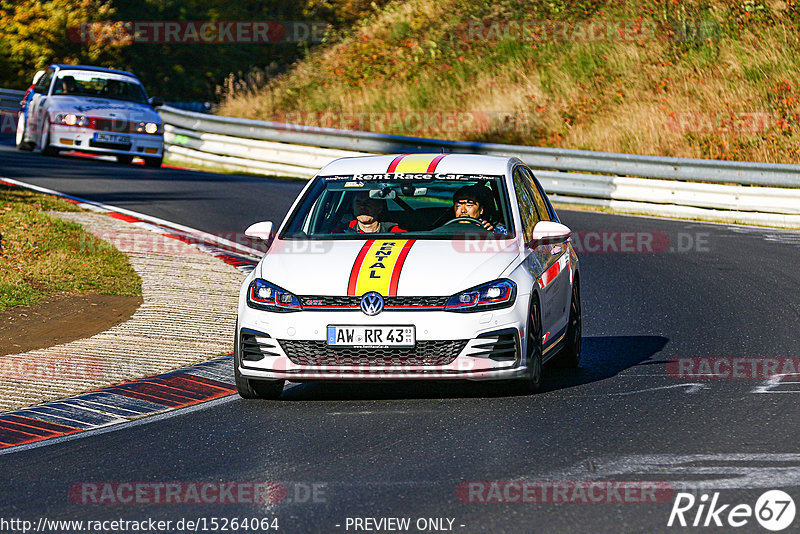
(240, 256)
(106, 408)
(115, 405)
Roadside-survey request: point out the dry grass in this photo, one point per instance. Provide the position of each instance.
(731, 95)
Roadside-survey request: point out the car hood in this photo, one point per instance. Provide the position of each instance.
(104, 108)
(430, 268)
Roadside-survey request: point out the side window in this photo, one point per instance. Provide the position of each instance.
(538, 198)
(43, 84)
(527, 206)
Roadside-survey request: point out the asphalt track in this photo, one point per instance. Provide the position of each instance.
(403, 450)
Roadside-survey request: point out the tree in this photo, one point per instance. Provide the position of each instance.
(36, 34)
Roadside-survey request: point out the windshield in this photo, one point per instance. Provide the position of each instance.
(420, 205)
(99, 84)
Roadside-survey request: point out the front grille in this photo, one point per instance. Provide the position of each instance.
(113, 125)
(256, 347)
(312, 303)
(425, 353)
(499, 346)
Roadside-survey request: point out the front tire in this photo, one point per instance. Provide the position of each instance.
(153, 162)
(571, 353)
(27, 146)
(532, 382)
(253, 389)
(47, 149)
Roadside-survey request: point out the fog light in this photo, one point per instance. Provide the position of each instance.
(65, 141)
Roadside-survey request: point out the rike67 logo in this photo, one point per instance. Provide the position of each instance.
(774, 510)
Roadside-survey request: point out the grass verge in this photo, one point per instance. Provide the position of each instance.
(697, 78)
(43, 255)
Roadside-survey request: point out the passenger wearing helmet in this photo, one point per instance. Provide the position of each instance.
(369, 213)
(475, 201)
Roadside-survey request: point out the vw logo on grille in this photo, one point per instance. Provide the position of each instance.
(372, 303)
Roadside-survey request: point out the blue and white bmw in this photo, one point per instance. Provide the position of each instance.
(423, 266)
(91, 109)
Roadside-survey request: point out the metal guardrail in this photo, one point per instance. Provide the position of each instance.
(10, 99)
(198, 107)
(697, 170)
(753, 193)
(248, 155)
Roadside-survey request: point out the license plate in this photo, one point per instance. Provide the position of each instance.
(112, 138)
(371, 336)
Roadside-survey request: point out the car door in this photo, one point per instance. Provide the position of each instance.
(537, 257)
(557, 264)
(37, 107)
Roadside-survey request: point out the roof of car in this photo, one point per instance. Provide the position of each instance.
(446, 164)
(96, 69)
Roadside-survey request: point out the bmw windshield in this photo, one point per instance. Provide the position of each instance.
(99, 84)
(419, 205)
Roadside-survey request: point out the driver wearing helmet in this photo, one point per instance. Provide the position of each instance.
(474, 201)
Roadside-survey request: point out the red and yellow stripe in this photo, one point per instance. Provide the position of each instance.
(415, 163)
(378, 265)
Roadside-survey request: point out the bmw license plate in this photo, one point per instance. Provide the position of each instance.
(371, 336)
(113, 139)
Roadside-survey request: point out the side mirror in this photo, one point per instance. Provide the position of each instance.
(155, 101)
(36, 76)
(549, 233)
(259, 232)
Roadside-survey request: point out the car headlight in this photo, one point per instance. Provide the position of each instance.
(70, 119)
(265, 296)
(491, 296)
(147, 127)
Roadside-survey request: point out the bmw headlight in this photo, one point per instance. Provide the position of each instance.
(265, 296)
(147, 127)
(70, 119)
(491, 296)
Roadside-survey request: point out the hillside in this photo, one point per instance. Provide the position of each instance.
(695, 78)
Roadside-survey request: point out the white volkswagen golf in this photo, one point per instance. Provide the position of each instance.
(423, 266)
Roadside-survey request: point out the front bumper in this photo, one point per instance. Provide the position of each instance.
(471, 346)
(82, 139)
